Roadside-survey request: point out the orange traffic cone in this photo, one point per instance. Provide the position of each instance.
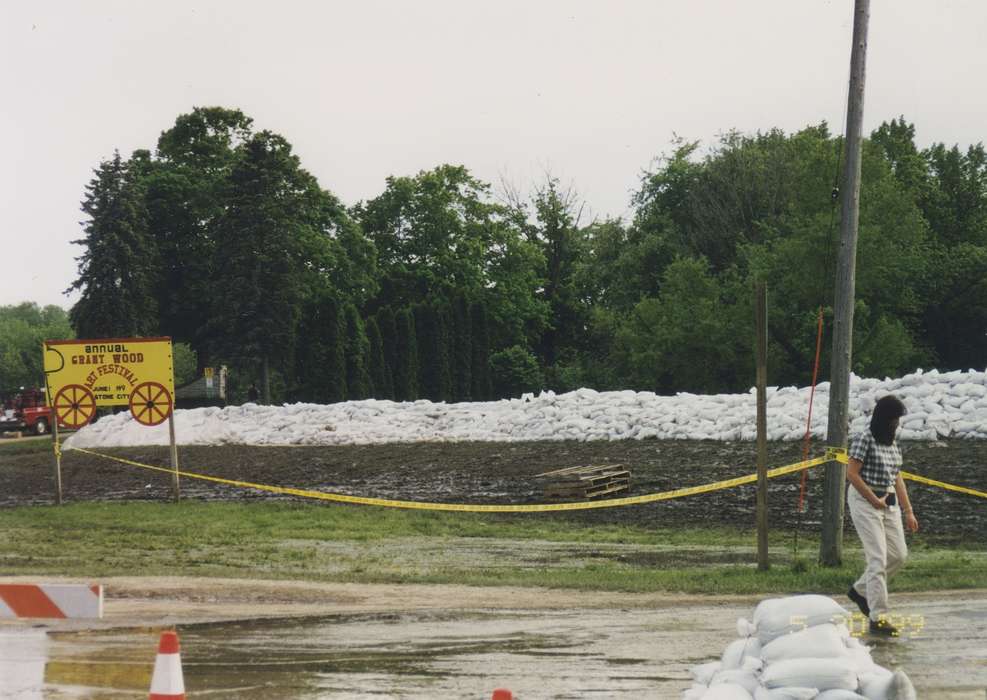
(167, 682)
(502, 694)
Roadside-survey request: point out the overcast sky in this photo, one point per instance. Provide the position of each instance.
(591, 91)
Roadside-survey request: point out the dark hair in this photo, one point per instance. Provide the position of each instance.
(886, 411)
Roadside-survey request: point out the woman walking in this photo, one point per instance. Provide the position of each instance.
(877, 502)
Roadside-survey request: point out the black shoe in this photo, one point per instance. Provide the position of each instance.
(883, 628)
(859, 600)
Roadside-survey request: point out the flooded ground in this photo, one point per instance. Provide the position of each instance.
(504, 473)
(431, 652)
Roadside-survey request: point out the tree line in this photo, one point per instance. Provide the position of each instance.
(442, 288)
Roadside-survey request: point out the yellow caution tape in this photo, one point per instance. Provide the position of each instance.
(476, 508)
(944, 485)
(838, 454)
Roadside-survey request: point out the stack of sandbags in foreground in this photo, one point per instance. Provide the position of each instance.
(797, 648)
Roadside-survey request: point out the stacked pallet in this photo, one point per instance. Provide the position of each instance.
(585, 482)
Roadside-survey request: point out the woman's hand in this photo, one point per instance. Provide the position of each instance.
(879, 503)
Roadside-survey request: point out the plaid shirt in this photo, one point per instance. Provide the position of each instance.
(881, 463)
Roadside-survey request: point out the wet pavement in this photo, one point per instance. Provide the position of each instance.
(575, 653)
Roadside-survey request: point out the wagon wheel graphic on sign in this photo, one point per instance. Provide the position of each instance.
(74, 406)
(150, 403)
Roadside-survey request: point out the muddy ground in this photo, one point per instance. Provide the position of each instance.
(261, 640)
(505, 473)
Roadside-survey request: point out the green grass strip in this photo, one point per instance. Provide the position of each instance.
(302, 541)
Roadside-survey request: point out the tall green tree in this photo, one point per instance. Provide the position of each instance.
(187, 185)
(897, 141)
(320, 360)
(118, 265)
(266, 247)
(358, 384)
(380, 373)
(432, 336)
(554, 230)
(761, 206)
(334, 337)
(389, 344)
(482, 389)
(440, 233)
(406, 365)
(956, 202)
(744, 191)
(461, 349)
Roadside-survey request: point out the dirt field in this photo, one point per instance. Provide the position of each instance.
(503, 473)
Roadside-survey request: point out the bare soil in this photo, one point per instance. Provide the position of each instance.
(473, 472)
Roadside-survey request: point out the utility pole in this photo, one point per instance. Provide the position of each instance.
(761, 309)
(831, 548)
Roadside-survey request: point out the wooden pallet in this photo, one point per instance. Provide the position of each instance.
(585, 482)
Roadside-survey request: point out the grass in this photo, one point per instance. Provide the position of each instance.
(340, 543)
(28, 445)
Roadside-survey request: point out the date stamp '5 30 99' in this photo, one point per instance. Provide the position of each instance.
(859, 624)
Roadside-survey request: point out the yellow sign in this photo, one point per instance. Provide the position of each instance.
(135, 372)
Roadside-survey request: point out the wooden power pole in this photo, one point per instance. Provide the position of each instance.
(831, 548)
(761, 306)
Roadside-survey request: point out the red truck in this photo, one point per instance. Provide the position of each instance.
(27, 411)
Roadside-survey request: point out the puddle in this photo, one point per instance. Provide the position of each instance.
(625, 653)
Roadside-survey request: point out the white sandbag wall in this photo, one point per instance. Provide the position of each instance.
(797, 648)
(952, 404)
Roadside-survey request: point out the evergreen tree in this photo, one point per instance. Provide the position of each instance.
(334, 334)
(357, 351)
(388, 340)
(310, 355)
(445, 338)
(263, 250)
(555, 230)
(117, 268)
(462, 349)
(480, 369)
(380, 373)
(432, 336)
(406, 356)
(187, 195)
(320, 361)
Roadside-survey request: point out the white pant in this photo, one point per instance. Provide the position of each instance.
(883, 538)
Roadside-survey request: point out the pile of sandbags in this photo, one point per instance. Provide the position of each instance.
(797, 648)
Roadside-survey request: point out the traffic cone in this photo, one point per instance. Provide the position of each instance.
(167, 682)
(502, 694)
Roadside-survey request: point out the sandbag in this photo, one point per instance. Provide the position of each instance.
(704, 673)
(820, 642)
(862, 660)
(727, 691)
(789, 693)
(738, 676)
(823, 674)
(737, 651)
(695, 692)
(884, 685)
(777, 616)
(837, 694)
